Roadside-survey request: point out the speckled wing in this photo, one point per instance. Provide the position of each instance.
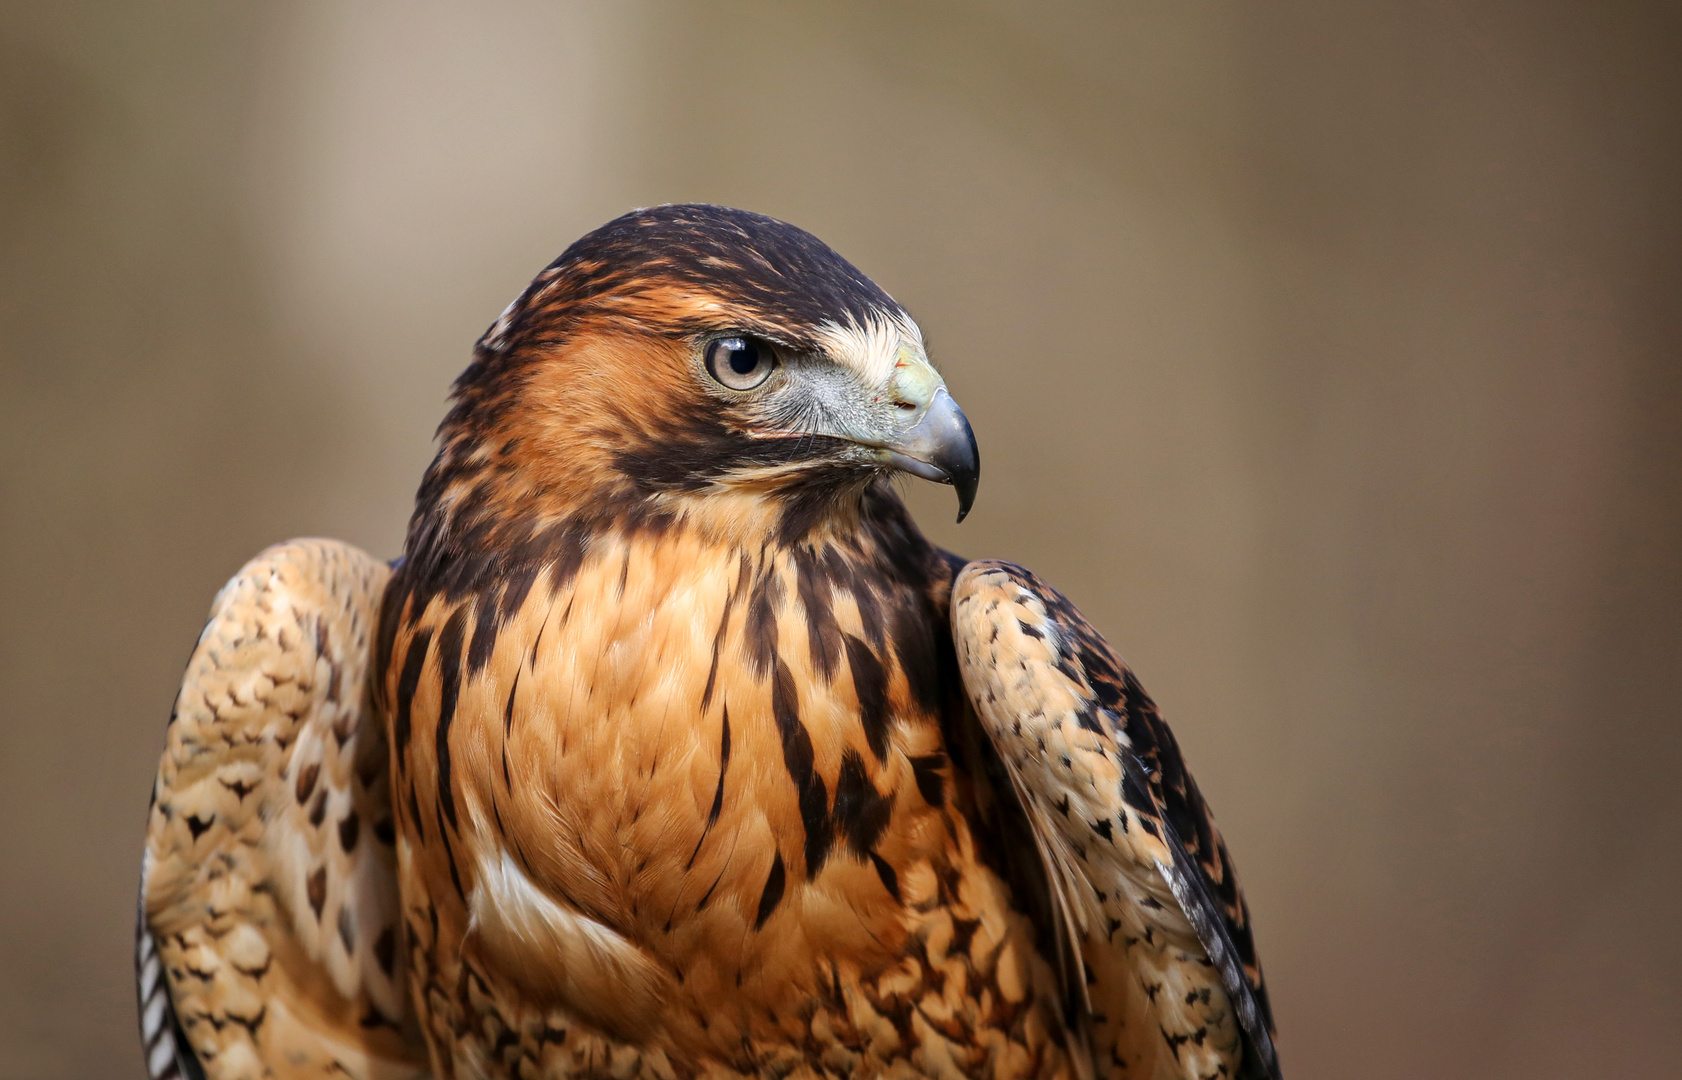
(269, 943)
(1137, 866)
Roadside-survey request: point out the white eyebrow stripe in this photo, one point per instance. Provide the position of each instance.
(870, 349)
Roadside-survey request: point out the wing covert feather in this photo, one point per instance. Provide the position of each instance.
(269, 941)
(1176, 989)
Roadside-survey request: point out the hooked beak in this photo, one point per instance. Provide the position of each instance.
(941, 447)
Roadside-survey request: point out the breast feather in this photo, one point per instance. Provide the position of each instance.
(560, 956)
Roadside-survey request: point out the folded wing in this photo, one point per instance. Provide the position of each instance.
(269, 942)
(1137, 866)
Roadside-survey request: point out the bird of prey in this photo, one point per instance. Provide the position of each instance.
(671, 749)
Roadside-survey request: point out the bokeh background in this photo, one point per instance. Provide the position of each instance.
(1330, 355)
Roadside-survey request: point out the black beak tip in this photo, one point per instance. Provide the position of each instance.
(966, 497)
(965, 486)
(965, 471)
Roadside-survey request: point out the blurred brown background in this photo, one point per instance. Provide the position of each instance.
(1329, 355)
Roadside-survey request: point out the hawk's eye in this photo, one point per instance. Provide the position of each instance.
(740, 363)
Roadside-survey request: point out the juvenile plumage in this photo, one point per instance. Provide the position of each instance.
(702, 760)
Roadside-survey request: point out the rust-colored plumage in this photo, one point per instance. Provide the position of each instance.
(702, 761)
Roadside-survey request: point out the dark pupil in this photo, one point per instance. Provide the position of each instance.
(743, 356)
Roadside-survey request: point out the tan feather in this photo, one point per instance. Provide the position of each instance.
(1067, 720)
(269, 883)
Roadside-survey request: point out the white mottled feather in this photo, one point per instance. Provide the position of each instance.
(1159, 1007)
(267, 892)
(872, 349)
(559, 954)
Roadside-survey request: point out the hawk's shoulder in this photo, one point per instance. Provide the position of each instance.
(268, 912)
(1135, 854)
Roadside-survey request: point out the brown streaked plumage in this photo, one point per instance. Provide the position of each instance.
(703, 762)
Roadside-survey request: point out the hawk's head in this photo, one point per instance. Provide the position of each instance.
(701, 364)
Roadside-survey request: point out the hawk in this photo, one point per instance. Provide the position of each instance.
(670, 748)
